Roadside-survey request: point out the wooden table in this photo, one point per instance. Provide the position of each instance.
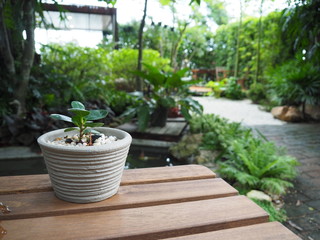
(182, 202)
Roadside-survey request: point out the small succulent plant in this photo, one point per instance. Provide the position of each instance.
(82, 118)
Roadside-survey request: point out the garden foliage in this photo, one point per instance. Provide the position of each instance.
(248, 161)
(294, 82)
(74, 72)
(227, 87)
(289, 55)
(165, 90)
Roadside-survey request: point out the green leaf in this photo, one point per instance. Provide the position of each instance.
(154, 76)
(192, 105)
(78, 121)
(79, 112)
(93, 124)
(97, 114)
(129, 114)
(90, 130)
(167, 102)
(185, 113)
(165, 2)
(61, 117)
(78, 105)
(143, 112)
(70, 129)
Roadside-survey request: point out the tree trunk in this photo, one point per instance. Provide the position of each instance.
(139, 84)
(5, 48)
(28, 54)
(176, 46)
(236, 65)
(259, 45)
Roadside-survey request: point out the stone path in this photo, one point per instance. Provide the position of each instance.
(302, 141)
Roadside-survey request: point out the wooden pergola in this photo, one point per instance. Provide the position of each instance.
(83, 18)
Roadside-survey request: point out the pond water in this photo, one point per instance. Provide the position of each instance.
(144, 157)
(138, 157)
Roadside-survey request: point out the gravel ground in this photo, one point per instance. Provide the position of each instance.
(238, 111)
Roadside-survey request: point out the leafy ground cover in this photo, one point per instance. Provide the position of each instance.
(246, 160)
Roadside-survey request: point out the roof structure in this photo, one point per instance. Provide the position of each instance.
(91, 18)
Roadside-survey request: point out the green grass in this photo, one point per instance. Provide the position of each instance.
(274, 213)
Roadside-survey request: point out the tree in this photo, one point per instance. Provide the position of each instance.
(259, 43)
(236, 65)
(17, 48)
(140, 45)
(17, 17)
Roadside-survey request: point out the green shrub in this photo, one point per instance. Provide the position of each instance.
(119, 101)
(227, 87)
(124, 62)
(233, 89)
(71, 72)
(257, 164)
(257, 92)
(218, 87)
(218, 132)
(248, 161)
(295, 82)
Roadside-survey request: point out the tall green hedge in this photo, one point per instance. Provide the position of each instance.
(271, 44)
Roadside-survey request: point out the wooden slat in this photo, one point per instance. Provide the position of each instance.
(25, 183)
(31, 205)
(166, 174)
(263, 231)
(41, 183)
(153, 222)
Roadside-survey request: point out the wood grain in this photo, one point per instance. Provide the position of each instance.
(166, 174)
(153, 222)
(263, 231)
(41, 183)
(25, 183)
(31, 205)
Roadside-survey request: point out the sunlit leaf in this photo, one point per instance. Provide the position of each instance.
(61, 117)
(97, 114)
(76, 104)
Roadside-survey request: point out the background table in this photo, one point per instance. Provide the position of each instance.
(181, 202)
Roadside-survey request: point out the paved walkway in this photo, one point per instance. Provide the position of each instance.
(301, 141)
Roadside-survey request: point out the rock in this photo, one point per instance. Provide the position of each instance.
(313, 111)
(188, 146)
(279, 112)
(287, 113)
(206, 156)
(293, 115)
(259, 195)
(122, 84)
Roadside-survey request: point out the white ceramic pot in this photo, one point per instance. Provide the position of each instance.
(85, 174)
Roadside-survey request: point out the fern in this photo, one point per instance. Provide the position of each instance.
(274, 185)
(260, 160)
(252, 162)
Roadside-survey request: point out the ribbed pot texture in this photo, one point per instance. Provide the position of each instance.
(85, 174)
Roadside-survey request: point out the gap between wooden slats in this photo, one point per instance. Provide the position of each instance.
(163, 221)
(32, 205)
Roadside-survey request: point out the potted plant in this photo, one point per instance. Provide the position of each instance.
(85, 163)
(165, 90)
